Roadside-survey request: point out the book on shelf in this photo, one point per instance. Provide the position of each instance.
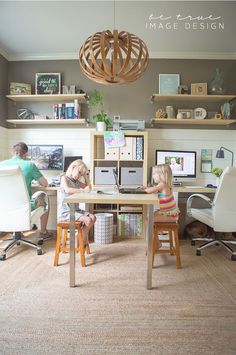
(139, 148)
(68, 110)
(131, 208)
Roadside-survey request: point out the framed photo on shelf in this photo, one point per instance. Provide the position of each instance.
(47, 83)
(199, 89)
(20, 89)
(186, 113)
(169, 83)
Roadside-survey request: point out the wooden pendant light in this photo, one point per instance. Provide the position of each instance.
(113, 58)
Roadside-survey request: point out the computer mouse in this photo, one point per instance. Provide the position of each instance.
(210, 186)
(52, 184)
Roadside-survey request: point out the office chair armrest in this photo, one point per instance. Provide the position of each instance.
(190, 200)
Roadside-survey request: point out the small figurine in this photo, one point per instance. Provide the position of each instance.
(161, 113)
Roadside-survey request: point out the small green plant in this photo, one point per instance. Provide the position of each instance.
(217, 171)
(96, 100)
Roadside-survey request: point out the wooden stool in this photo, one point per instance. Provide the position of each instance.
(173, 240)
(62, 227)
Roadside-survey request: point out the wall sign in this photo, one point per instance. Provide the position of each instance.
(206, 160)
(47, 83)
(169, 83)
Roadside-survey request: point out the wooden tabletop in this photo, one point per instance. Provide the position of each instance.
(94, 197)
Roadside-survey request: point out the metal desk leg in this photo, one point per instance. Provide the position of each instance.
(72, 245)
(149, 246)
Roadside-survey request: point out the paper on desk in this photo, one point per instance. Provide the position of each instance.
(107, 192)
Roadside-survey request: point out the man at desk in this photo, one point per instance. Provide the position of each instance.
(31, 172)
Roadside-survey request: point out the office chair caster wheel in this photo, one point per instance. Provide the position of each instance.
(40, 242)
(193, 242)
(233, 257)
(198, 252)
(39, 252)
(2, 257)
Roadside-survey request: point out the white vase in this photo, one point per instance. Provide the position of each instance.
(101, 126)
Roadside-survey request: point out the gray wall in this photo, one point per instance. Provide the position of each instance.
(131, 100)
(3, 89)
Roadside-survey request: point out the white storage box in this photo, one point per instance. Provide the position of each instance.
(131, 176)
(104, 176)
(103, 228)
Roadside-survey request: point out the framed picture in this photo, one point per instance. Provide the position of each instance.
(186, 113)
(46, 157)
(169, 83)
(199, 89)
(20, 89)
(206, 160)
(199, 113)
(47, 83)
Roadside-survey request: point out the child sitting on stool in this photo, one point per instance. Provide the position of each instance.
(76, 180)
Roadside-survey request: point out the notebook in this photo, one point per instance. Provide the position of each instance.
(127, 190)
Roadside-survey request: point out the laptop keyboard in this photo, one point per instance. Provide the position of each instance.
(131, 191)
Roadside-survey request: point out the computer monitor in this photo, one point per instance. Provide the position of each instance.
(69, 159)
(46, 157)
(182, 163)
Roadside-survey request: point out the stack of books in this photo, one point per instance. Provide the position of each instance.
(69, 110)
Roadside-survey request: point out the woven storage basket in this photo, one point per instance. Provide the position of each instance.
(103, 228)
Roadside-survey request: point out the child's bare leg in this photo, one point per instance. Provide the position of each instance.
(88, 222)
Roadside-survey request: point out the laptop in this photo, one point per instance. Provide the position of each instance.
(127, 190)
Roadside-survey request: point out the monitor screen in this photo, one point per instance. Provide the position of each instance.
(69, 159)
(182, 163)
(46, 157)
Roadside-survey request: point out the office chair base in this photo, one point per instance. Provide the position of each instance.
(2, 257)
(17, 240)
(223, 243)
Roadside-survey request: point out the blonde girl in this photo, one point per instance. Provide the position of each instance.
(76, 180)
(162, 177)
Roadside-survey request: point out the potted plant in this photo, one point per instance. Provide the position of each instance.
(217, 172)
(101, 118)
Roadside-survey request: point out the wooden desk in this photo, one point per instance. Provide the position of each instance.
(202, 190)
(192, 190)
(147, 200)
(183, 193)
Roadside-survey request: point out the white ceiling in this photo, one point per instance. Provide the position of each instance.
(31, 30)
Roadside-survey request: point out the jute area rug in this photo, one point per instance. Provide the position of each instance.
(188, 311)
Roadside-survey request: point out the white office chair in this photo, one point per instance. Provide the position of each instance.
(221, 215)
(15, 211)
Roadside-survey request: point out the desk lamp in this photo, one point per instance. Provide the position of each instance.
(220, 154)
